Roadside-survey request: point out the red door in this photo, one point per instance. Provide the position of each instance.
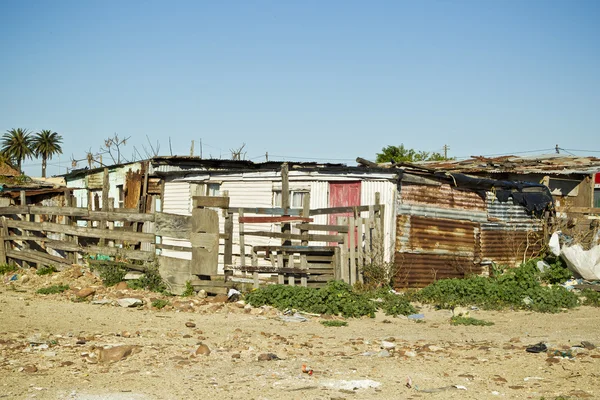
(343, 194)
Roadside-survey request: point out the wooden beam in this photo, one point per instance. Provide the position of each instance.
(296, 236)
(297, 249)
(120, 252)
(37, 257)
(329, 228)
(210, 201)
(124, 265)
(173, 225)
(258, 220)
(342, 210)
(81, 231)
(269, 211)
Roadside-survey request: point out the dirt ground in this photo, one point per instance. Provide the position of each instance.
(48, 343)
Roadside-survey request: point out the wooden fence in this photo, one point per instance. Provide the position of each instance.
(309, 254)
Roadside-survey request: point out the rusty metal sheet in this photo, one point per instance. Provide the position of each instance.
(434, 235)
(444, 196)
(419, 270)
(509, 248)
(154, 186)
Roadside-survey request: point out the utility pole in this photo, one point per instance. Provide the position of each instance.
(201, 148)
(267, 156)
(446, 148)
(192, 149)
(557, 149)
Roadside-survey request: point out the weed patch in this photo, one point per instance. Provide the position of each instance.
(189, 290)
(6, 268)
(460, 320)
(518, 288)
(53, 289)
(334, 323)
(336, 298)
(46, 270)
(160, 303)
(592, 298)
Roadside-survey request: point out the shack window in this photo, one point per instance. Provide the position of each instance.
(296, 198)
(121, 202)
(213, 189)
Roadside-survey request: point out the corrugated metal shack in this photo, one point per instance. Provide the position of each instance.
(453, 225)
(249, 184)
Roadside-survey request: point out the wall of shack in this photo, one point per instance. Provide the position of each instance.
(446, 232)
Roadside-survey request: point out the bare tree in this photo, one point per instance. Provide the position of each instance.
(239, 153)
(112, 147)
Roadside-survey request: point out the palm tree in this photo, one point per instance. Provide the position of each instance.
(46, 144)
(16, 145)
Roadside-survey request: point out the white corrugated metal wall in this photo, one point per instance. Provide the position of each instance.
(388, 193)
(177, 200)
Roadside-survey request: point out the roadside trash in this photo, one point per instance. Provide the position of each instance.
(564, 354)
(584, 263)
(416, 316)
(130, 302)
(307, 370)
(408, 382)
(383, 353)
(350, 385)
(293, 318)
(533, 378)
(542, 265)
(537, 348)
(14, 277)
(570, 284)
(527, 300)
(100, 302)
(588, 345)
(233, 295)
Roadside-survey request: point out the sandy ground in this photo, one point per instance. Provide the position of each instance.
(46, 348)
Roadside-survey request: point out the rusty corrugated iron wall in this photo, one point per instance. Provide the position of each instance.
(437, 234)
(444, 232)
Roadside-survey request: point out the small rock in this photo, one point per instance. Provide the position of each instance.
(25, 279)
(85, 292)
(121, 286)
(236, 356)
(202, 294)
(190, 324)
(30, 369)
(76, 273)
(220, 298)
(202, 350)
(387, 345)
(112, 354)
(268, 357)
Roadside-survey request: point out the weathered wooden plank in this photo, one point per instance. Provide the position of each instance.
(54, 244)
(294, 212)
(352, 240)
(341, 210)
(329, 228)
(37, 257)
(210, 201)
(205, 241)
(581, 210)
(258, 220)
(297, 249)
(296, 236)
(13, 210)
(242, 240)
(116, 215)
(81, 231)
(173, 225)
(228, 245)
(172, 247)
(120, 252)
(135, 267)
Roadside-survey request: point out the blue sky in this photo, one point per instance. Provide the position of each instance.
(315, 80)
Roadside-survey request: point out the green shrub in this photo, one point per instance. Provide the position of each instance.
(46, 270)
(516, 288)
(160, 303)
(592, 298)
(557, 273)
(334, 323)
(336, 298)
(151, 280)
(6, 268)
(460, 320)
(189, 289)
(110, 274)
(53, 289)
